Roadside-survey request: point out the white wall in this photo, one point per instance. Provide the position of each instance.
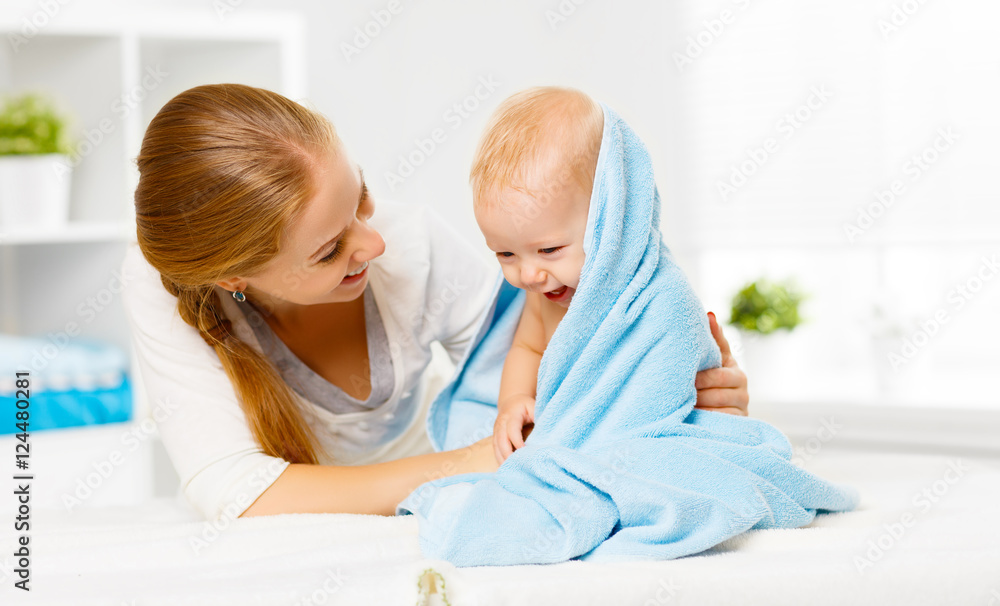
(434, 54)
(890, 92)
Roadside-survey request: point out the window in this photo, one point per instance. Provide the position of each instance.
(860, 158)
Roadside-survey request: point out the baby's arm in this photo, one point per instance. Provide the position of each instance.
(516, 404)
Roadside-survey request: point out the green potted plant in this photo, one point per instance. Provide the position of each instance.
(34, 162)
(765, 312)
(764, 307)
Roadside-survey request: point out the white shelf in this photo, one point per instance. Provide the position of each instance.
(75, 232)
(112, 70)
(878, 426)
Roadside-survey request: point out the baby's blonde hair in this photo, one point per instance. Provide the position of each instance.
(549, 131)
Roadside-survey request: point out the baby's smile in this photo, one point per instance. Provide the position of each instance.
(563, 294)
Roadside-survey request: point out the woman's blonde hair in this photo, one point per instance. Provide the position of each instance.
(223, 170)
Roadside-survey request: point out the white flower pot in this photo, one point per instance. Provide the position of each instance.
(34, 190)
(767, 361)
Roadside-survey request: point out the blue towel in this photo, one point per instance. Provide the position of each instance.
(75, 383)
(619, 465)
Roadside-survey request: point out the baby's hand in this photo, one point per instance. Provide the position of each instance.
(508, 431)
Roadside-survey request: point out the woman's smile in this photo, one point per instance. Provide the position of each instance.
(356, 276)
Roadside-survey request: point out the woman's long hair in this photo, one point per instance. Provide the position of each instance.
(223, 170)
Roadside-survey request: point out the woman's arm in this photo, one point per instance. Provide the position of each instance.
(222, 469)
(722, 389)
(378, 488)
(370, 489)
(198, 416)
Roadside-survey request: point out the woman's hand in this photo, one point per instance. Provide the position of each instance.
(722, 389)
(484, 459)
(516, 413)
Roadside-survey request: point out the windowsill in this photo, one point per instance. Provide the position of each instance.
(879, 426)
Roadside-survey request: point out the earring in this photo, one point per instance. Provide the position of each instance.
(239, 296)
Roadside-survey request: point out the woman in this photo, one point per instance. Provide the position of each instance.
(283, 329)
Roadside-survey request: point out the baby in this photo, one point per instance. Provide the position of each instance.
(532, 178)
(615, 427)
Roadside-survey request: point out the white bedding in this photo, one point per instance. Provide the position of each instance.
(949, 554)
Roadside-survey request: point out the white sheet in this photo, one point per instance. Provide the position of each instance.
(950, 554)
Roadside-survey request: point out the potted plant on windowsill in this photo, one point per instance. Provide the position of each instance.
(34, 163)
(765, 312)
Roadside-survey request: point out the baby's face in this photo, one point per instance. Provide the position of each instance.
(538, 239)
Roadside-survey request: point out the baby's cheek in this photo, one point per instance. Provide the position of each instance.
(575, 271)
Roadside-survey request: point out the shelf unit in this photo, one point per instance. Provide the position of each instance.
(116, 69)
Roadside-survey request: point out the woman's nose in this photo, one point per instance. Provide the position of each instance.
(372, 244)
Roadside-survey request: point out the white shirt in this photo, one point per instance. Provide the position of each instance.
(430, 285)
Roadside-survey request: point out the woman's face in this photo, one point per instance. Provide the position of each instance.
(326, 249)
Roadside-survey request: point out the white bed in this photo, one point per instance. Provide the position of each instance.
(947, 553)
